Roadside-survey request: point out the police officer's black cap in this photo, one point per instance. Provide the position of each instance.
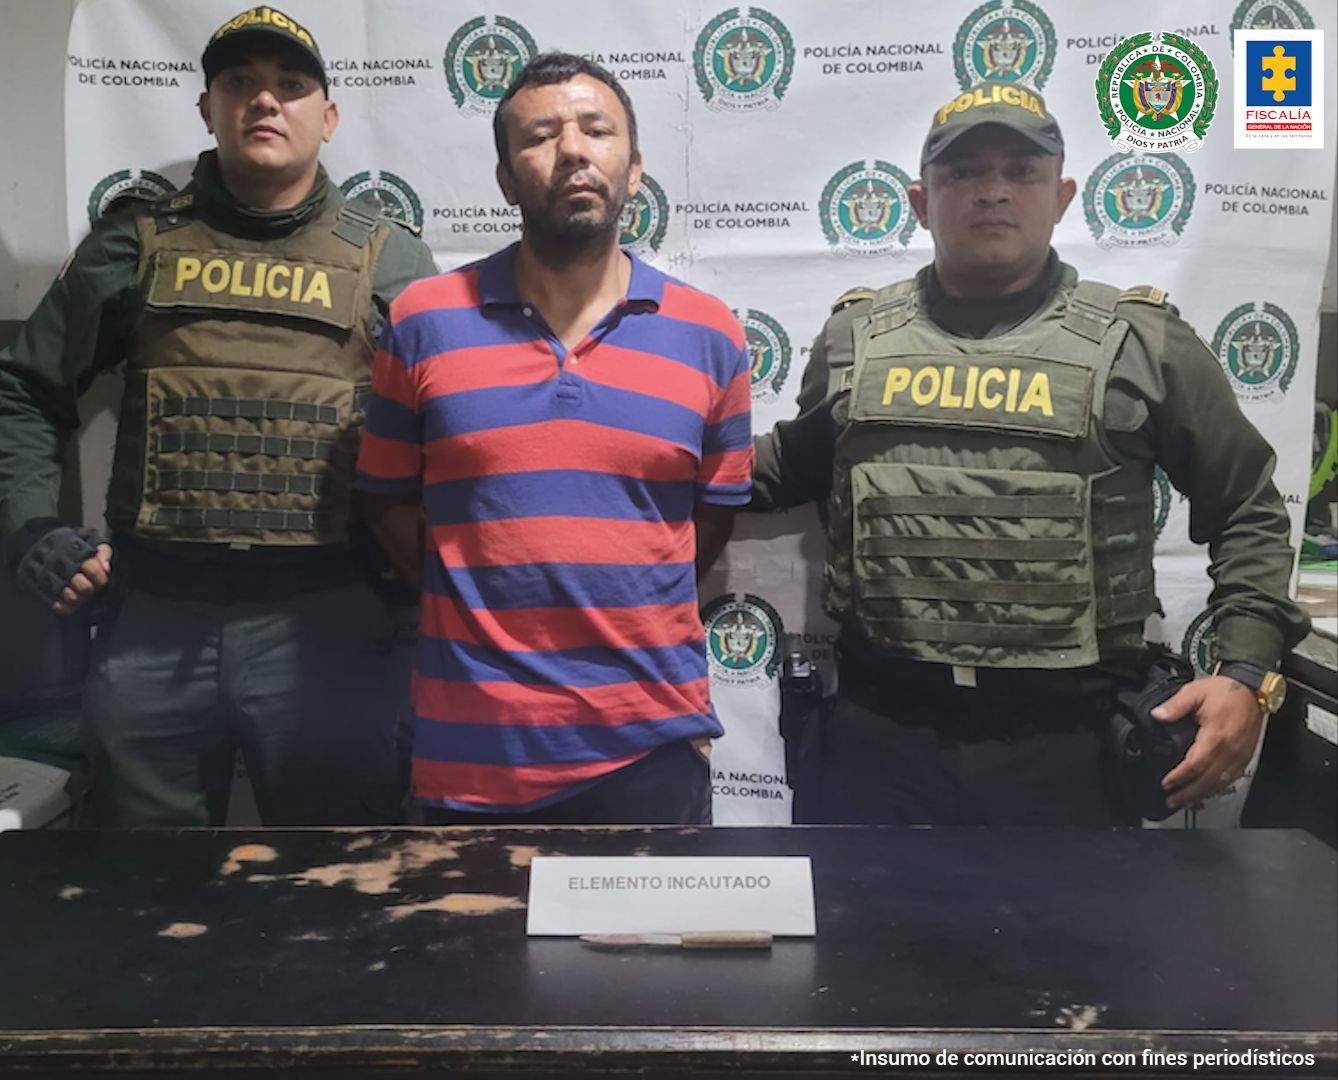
(1010, 105)
(262, 26)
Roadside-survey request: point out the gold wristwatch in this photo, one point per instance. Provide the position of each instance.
(1270, 688)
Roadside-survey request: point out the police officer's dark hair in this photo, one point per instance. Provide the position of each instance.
(551, 69)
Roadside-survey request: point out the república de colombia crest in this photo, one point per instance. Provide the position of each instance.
(1258, 347)
(482, 58)
(743, 633)
(743, 60)
(1156, 92)
(1138, 200)
(1005, 40)
(865, 209)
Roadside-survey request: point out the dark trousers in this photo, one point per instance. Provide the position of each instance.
(305, 688)
(876, 770)
(669, 786)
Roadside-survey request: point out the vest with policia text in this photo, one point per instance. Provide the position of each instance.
(977, 518)
(244, 379)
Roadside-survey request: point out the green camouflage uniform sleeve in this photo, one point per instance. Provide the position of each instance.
(793, 461)
(75, 332)
(1169, 399)
(404, 258)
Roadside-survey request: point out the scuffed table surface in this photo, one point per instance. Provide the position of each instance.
(406, 947)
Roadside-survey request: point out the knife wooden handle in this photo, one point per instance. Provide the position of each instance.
(726, 939)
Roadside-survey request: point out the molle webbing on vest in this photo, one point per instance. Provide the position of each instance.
(268, 521)
(249, 409)
(246, 376)
(201, 442)
(251, 483)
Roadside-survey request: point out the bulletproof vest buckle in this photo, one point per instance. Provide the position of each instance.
(893, 306)
(355, 224)
(1091, 310)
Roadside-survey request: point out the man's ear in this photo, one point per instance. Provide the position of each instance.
(203, 105)
(919, 196)
(331, 120)
(634, 175)
(1068, 188)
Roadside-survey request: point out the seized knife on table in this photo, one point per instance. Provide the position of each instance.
(689, 939)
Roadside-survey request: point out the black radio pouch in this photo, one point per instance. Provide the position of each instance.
(1139, 750)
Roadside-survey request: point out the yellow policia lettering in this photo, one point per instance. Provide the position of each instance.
(1008, 95)
(260, 16)
(939, 387)
(991, 400)
(277, 282)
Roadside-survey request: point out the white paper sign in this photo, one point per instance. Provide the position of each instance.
(633, 895)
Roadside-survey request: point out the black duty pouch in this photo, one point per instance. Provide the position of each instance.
(1139, 750)
(803, 708)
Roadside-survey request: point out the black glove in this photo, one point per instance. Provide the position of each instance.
(46, 554)
(1140, 750)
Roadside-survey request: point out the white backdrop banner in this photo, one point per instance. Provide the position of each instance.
(777, 143)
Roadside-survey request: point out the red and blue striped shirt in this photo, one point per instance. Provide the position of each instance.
(560, 635)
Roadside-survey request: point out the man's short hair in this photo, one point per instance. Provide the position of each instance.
(551, 69)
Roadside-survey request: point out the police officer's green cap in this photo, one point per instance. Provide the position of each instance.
(993, 102)
(254, 26)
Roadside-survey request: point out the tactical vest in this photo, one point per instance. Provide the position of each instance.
(245, 375)
(977, 516)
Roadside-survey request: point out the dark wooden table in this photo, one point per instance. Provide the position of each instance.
(379, 952)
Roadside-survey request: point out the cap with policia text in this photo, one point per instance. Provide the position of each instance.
(1016, 107)
(251, 27)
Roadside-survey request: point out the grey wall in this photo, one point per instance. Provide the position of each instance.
(32, 150)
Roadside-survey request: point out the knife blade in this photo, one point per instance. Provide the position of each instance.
(689, 939)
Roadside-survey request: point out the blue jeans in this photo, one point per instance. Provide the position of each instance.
(669, 786)
(305, 689)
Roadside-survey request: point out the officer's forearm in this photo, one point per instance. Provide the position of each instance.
(397, 524)
(31, 448)
(792, 463)
(715, 525)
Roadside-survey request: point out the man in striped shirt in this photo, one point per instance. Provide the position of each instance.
(557, 439)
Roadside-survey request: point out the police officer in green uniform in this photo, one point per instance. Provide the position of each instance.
(245, 311)
(982, 439)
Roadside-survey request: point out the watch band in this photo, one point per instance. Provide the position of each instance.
(1270, 688)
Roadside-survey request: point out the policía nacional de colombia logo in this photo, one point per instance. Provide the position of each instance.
(743, 60)
(1161, 500)
(139, 182)
(394, 196)
(1156, 92)
(769, 353)
(1258, 347)
(482, 58)
(1200, 643)
(1270, 15)
(743, 633)
(645, 218)
(865, 209)
(1138, 200)
(1005, 40)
